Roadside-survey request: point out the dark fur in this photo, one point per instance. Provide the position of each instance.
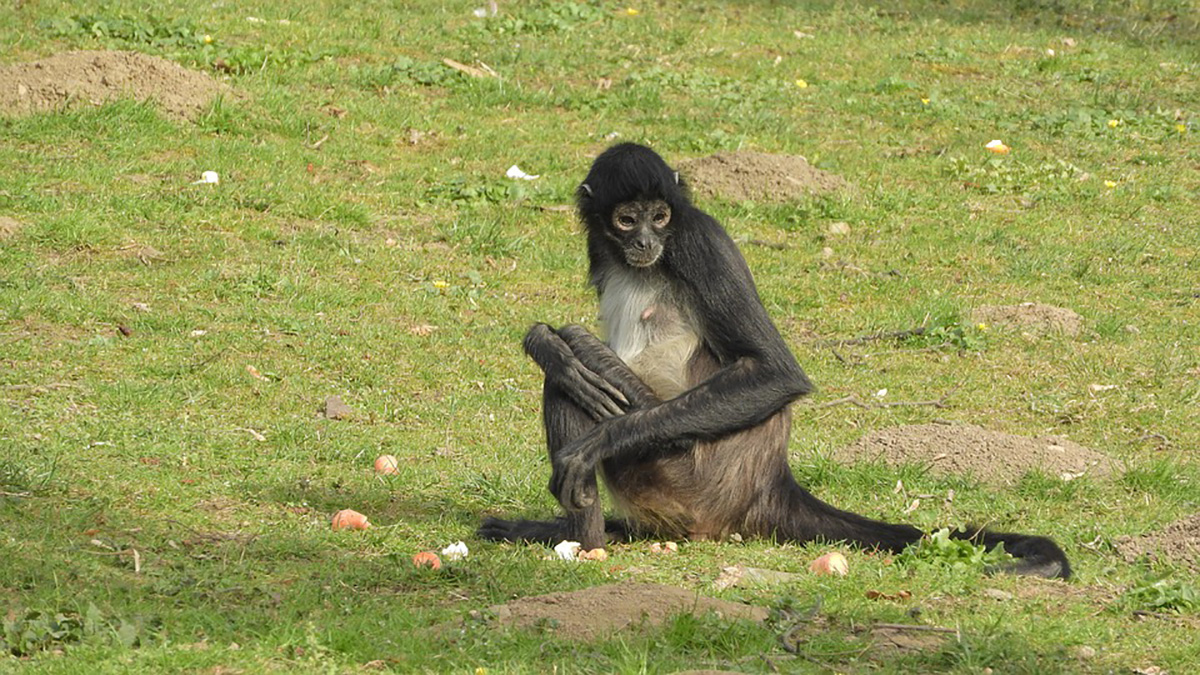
(712, 460)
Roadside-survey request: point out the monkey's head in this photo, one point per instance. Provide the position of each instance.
(628, 200)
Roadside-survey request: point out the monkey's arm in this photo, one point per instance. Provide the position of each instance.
(759, 378)
(594, 394)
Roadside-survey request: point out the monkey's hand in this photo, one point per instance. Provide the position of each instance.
(573, 478)
(595, 395)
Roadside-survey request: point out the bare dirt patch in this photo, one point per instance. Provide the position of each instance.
(757, 176)
(964, 449)
(600, 611)
(1175, 544)
(9, 227)
(96, 77)
(1030, 316)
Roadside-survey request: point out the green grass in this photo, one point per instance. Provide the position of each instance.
(313, 263)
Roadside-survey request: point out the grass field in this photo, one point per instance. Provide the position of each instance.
(165, 495)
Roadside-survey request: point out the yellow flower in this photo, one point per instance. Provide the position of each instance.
(981, 326)
(801, 84)
(632, 12)
(1110, 183)
(441, 284)
(925, 101)
(1181, 128)
(1113, 124)
(208, 39)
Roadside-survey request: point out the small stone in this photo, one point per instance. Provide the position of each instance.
(839, 228)
(997, 594)
(336, 409)
(1084, 652)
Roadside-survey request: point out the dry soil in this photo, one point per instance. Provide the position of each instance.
(757, 176)
(964, 449)
(96, 77)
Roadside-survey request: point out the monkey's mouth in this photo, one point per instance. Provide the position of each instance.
(637, 258)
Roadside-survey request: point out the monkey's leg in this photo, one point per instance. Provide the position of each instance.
(565, 421)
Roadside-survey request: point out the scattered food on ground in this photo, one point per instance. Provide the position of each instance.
(349, 519)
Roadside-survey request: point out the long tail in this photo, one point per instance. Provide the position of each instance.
(542, 531)
(809, 518)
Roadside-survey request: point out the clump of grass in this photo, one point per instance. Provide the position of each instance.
(1163, 595)
(940, 550)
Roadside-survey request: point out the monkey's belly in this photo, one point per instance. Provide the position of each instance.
(663, 364)
(710, 491)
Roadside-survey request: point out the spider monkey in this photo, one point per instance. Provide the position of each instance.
(685, 411)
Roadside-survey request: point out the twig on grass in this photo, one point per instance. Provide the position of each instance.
(1163, 440)
(777, 245)
(856, 401)
(42, 387)
(133, 552)
(915, 627)
(881, 335)
(15, 494)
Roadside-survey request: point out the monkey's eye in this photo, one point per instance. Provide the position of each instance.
(660, 218)
(626, 222)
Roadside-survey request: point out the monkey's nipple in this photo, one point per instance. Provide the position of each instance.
(649, 312)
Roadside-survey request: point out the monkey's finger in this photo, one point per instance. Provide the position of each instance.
(604, 386)
(594, 402)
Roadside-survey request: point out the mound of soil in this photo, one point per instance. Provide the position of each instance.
(95, 77)
(602, 610)
(757, 176)
(1176, 544)
(1030, 316)
(964, 449)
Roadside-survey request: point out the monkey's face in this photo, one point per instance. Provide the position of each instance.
(640, 228)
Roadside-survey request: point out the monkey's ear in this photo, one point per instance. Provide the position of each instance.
(586, 188)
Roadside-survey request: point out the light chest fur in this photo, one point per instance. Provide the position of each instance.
(650, 328)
